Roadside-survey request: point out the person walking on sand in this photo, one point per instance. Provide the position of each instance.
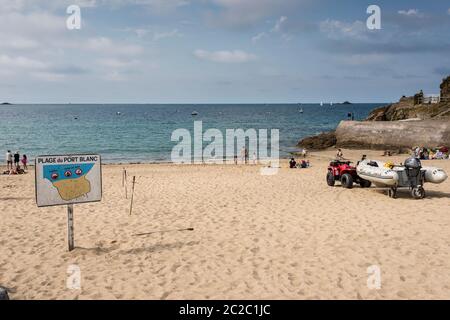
(340, 155)
(246, 156)
(16, 159)
(24, 162)
(243, 155)
(304, 152)
(9, 160)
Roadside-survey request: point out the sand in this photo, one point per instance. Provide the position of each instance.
(286, 236)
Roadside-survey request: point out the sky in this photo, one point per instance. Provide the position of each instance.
(221, 51)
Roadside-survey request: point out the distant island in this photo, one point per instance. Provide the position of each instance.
(346, 102)
(6, 104)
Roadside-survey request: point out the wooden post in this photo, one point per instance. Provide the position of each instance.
(70, 235)
(132, 194)
(126, 183)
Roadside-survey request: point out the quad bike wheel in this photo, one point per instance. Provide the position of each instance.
(418, 192)
(330, 179)
(347, 181)
(365, 183)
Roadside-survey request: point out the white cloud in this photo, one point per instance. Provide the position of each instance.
(258, 37)
(171, 34)
(107, 46)
(21, 62)
(235, 56)
(411, 13)
(160, 6)
(118, 63)
(279, 24)
(48, 76)
(335, 29)
(277, 28)
(155, 34)
(240, 13)
(17, 42)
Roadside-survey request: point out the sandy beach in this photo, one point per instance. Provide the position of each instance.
(286, 236)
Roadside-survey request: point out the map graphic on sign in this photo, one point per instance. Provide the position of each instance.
(68, 179)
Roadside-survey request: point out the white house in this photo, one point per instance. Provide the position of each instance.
(431, 98)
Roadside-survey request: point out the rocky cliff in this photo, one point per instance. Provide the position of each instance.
(405, 109)
(386, 127)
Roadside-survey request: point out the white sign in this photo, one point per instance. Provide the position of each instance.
(69, 179)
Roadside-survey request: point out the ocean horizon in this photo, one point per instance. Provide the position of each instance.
(141, 133)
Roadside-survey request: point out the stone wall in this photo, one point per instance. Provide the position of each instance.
(393, 134)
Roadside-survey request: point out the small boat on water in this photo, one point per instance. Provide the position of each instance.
(118, 113)
(321, 104)
(301, 110)
(194, 113)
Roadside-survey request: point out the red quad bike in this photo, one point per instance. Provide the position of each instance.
(345, 173)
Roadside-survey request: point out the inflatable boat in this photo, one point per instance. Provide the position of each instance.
(386, 174)
(410, 175)
(378, 173)
(435, 175)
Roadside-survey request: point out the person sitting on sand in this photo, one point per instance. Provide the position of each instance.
(304, 164)
(292, 164)
(340, 155)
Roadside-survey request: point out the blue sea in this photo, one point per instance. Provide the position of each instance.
(142, 133)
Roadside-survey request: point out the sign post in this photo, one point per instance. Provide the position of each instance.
(70, 236)
(67, 180)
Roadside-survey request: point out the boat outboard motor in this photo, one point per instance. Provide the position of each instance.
(413, 171)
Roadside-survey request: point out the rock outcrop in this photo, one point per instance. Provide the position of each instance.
(406, 109)
(412, 107)
(393, 134)
(322, 141)
(445, 88)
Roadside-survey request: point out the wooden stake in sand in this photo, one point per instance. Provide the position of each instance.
(132, 195)
(70, 235)
(124, 182)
